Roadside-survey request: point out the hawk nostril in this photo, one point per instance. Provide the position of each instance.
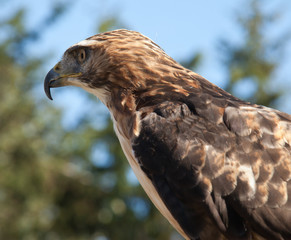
(57, 67)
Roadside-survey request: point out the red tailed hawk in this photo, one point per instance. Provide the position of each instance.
(215, 166)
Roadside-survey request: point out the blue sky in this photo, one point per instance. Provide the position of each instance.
(181, 28)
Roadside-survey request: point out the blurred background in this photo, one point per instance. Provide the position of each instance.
(62, 172)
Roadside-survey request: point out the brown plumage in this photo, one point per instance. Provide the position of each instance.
(215, 166)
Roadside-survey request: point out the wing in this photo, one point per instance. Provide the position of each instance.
(220, 167)
(263, 138)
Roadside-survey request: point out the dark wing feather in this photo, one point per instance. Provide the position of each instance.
(227, 169)
(174, 151)
(268, 209)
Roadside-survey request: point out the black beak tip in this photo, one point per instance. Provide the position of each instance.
(47, 83)
(48, 94)
(47, 90)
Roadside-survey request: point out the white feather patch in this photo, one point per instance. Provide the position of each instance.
(100, 93)
(146, 182)
(246, 175)
(85, 43)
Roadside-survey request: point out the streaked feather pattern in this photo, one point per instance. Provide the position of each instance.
(215, 166)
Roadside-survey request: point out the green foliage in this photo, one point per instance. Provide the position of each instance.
(50, 188)
(255, 58)
(109, 23)
(25, 174)
(55, 183)
(193, 62)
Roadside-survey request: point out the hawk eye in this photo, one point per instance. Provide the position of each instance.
(81, 55)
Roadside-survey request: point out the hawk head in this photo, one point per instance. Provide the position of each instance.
(111, 62)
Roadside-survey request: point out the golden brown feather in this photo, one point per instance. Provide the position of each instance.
(215, 166)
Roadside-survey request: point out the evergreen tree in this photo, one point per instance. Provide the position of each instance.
(251, 64)
(59, 183)
(52, 186)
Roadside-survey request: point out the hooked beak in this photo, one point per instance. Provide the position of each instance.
(54, 79)
(50, 81)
